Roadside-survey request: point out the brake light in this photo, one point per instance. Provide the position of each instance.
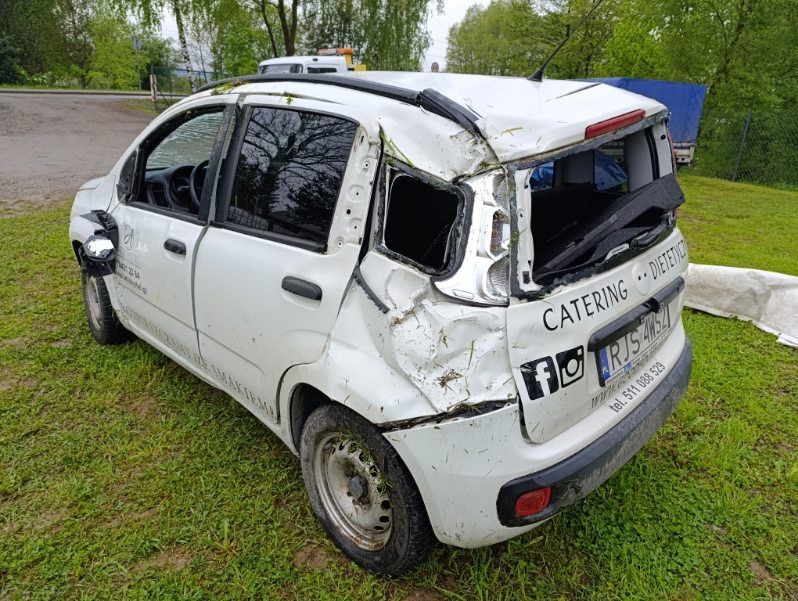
(603, 127)
(532, 502)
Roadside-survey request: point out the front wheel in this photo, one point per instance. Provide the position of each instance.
(362, 493)
(103, 323)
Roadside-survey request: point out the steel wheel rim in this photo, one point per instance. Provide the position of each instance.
(342, 467)
(92, 292)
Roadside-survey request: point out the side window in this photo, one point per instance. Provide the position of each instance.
(419, 222)
(176, 158)
(289, 174)
(189, 144)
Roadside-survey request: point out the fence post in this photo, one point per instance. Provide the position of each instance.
(742, 145)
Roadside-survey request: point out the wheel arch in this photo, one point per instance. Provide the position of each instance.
(76, 244)
(359, 382)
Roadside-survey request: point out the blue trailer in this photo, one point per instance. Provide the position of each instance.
(685, 101)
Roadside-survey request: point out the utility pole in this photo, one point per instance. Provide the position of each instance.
(137, 46)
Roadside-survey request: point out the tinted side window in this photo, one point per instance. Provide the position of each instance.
(289, 173)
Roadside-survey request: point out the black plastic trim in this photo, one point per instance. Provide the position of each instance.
(630, 320)
(428, 99)
(302, 288)
(581, 473)
(175, 247)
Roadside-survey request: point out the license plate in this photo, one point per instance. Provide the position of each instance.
(625, 353)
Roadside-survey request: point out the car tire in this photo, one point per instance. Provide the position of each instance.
(103, 322)
(362, 493)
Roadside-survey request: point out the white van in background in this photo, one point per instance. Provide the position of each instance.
(328, 60)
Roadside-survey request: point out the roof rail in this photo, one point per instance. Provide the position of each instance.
(428, 99)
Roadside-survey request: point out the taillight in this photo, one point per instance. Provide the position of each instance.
(532, 502)
(608, 125)
(484, 274)
(497, 209)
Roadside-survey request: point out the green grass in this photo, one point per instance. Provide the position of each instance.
(145, 105)
(123, 475)
(740, 225)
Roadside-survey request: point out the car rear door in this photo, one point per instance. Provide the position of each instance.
(274, 265)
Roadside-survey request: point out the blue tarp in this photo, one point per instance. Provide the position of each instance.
(685, 101)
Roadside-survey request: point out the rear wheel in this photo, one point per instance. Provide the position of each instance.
(362, 493)
(103, 323)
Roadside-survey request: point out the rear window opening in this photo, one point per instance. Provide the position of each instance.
(420, 221)
(590, 205)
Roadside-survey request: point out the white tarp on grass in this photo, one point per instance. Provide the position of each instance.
(768, 299)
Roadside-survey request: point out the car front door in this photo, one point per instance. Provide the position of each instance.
(275, 263)
(161, 223)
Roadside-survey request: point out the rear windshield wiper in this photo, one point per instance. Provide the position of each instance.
(612, 222)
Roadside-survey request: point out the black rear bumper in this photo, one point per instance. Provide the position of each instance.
(583, 472)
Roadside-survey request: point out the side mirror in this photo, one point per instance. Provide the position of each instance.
(124, 188)
(98, 256)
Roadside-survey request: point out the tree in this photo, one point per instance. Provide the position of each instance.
(383, 35)
(287, 18)
(150, 11)
(234, 33)
(113, 60)
(503, 38)
(10, 69)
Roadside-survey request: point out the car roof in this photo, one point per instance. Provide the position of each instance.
(515, 117)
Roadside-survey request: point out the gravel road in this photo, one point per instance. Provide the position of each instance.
(51, 143)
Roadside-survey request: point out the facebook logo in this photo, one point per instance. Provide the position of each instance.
(540, 377)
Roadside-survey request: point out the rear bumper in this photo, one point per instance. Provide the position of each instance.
(471, 470)
(581, 473)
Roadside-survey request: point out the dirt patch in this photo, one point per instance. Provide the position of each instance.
(315, 557)
(146, 407)
(9, 384)
(120, 519)
(173, 560)
(63, 343)
(50, 144)
(761, 572)
(418, 594)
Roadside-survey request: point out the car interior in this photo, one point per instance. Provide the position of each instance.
(176, 168)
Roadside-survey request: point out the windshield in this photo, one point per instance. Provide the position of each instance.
(282, 68)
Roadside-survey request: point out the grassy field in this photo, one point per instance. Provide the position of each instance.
(123, 475)
(740, 225)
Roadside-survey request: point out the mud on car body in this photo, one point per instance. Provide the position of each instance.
(456, 298)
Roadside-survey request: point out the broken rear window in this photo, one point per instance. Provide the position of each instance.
(420, 222)
(589, 205)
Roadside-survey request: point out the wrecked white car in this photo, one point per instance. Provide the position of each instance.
(457, 298)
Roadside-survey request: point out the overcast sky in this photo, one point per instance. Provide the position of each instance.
(453, 11)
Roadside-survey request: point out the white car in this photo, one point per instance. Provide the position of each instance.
(457, 298)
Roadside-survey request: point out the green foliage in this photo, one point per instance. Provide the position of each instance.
(10, 68)
(155, 53)
(113, 61)
(501, 39)
(383, 35)
(234, 32)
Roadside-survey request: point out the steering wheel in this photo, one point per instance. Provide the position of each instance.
(195, 183)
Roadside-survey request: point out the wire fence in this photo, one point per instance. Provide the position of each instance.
(757, 146)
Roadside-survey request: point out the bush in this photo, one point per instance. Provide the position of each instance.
(10, 69)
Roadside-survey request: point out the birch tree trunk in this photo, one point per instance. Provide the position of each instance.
(181, 34)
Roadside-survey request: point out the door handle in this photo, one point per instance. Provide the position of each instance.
(301, 287)
(175, 246)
